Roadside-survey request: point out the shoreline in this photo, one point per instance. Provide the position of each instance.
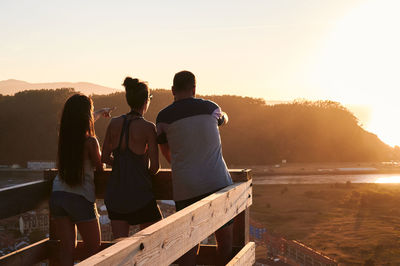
(336, 168)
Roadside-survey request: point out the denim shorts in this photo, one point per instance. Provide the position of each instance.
(74, 206)
(181, 204)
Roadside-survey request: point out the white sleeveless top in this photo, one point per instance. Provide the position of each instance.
(86, 189)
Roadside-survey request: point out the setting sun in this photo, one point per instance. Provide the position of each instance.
(388, 180)
(360, 64)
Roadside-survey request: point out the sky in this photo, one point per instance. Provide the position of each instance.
(341, 50)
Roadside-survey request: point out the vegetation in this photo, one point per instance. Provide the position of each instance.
(257, 133)
(353, 223)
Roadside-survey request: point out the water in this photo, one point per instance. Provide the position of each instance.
(326, 179)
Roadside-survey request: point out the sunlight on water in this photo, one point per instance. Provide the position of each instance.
(386, 180)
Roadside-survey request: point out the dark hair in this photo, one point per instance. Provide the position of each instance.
(76, 122)
(184, 80)
(136, 92)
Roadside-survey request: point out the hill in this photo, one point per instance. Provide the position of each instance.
(257, 133)
(12, 86)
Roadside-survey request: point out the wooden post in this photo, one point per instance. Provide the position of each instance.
(241, 229)
(48, 175)
(54, 250)
(241, 224)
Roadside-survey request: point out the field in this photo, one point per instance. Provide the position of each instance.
(350, 222)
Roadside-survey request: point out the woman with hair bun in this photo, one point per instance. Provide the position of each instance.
(130, 146)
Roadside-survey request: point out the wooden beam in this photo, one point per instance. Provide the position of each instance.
(43, 250)
(28, 255)
(241, 228)
(167, 240)
(21, 198)
(162, 182)
(247, 256)
(240, 175)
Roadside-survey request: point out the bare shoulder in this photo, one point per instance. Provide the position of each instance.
(91, 143)
(150, 126)
(116, 121)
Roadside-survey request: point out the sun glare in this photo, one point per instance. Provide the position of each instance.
(360, 63)
(388, 180)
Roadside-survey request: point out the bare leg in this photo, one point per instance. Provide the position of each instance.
(224, 238)
(189, 258)
(90, 232)
(119, 228)
(66, 233)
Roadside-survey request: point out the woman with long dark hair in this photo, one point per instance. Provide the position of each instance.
(130, 146)
(72, 202)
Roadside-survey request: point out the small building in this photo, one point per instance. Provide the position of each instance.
(41, 165)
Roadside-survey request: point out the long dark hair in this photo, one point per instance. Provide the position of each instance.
(76, 124)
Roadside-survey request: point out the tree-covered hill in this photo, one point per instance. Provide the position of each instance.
(257, 133)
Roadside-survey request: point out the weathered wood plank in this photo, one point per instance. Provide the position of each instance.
(245, 257)
(21, 198)
(167, 240)
(43, 250)
(240, 175)
(162, 183)
(28, 255)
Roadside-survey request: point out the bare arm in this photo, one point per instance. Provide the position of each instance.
(105, 112)
(94, 153)
(223, 120)
(163, 142)
(153, 151)
(106, 156)
(166, 151)
(222, 117)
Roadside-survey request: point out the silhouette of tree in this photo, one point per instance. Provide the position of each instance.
(257, 133)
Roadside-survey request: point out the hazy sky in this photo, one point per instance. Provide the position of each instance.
(344, 50)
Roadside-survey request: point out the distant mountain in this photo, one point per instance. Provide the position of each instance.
(12, 86)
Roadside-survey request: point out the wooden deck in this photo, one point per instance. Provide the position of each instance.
(159, 244)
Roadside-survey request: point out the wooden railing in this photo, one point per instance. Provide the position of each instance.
(159, 244)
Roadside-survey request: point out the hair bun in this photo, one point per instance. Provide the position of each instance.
(129, 82)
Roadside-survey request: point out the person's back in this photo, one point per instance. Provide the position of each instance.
(190, 128)
(86, 189)
(189, 139)
(130, 145)
(139, 130)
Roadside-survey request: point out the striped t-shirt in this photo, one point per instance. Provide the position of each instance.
(190, 127)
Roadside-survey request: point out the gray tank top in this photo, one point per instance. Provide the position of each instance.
(86, 189)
